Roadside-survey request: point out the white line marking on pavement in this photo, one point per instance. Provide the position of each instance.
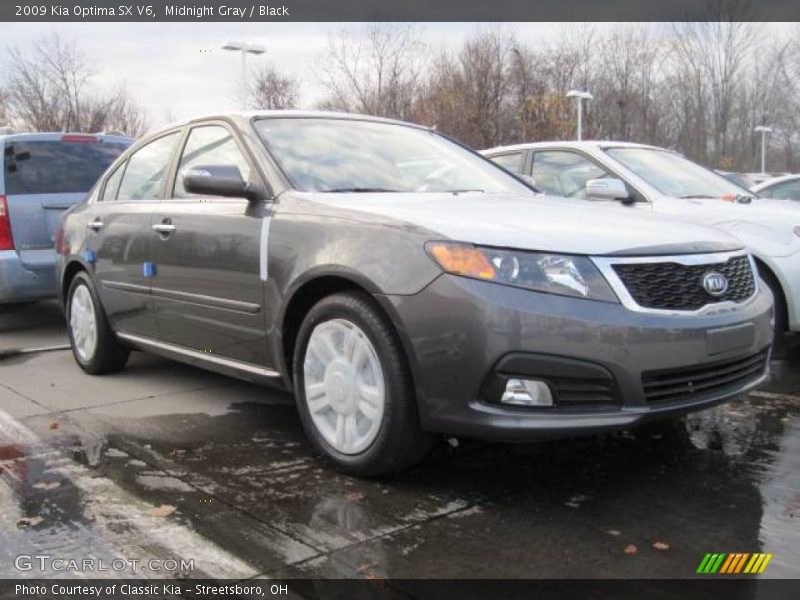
(17, 351)
(772, 396)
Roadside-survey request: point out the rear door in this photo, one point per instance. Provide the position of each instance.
(208, 290)
(118, 239)
(43, 175)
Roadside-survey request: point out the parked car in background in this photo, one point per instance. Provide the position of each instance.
(743, 180)
(786, 187)
(43, 174)
(402, 286)
(662, 181)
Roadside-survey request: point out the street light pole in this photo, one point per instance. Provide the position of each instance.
(245, 49)
(763, 130)
(580, 97)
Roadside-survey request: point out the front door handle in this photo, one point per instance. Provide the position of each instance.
(164, 228)
(95, 225)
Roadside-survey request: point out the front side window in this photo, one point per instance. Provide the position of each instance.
(341, 155)
(673, 175)
(209, 145)
(512, 161)
(56, 167)
(146, 169)
(788, 190)
(563, 173)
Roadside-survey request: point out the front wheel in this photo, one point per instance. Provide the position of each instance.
(94, 345)
(354, 390)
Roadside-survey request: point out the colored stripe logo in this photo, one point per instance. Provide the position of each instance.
(734, 563)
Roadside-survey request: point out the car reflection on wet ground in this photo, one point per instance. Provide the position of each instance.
(166, 461)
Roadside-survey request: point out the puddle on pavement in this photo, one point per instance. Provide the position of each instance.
(246, 495)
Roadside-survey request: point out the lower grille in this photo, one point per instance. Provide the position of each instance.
(584, 392)
(675, 385)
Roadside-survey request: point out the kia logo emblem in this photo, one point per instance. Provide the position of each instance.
(715, 284)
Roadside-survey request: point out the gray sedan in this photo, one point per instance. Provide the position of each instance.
(403, 286)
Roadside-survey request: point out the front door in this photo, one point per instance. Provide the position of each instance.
(208, 289)
(118, 242)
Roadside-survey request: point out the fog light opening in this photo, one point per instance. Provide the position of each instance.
(527, 392)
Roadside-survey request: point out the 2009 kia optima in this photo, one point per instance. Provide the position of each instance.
(403, 286)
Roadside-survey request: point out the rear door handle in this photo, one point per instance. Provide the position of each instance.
(95, 225)
(163, 228)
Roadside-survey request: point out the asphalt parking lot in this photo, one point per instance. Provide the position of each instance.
(168, 461)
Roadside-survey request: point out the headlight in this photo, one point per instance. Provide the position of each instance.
(550, 273)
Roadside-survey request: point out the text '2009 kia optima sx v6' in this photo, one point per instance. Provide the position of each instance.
(402, 286)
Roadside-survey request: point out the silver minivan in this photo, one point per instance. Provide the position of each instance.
(43, 174)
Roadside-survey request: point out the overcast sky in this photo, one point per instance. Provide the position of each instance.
(177, 70)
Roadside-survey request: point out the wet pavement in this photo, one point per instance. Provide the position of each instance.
(167, 461)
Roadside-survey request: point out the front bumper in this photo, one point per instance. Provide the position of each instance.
(23, 282)
(462, 335)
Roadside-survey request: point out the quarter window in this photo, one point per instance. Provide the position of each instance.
(146, 169)
(561, 173)
(112, 184)
(209, 145)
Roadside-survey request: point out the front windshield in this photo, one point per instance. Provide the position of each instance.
(343, 155)
(675, 176)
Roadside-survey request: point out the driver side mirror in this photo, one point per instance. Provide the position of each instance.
(221, 180)
(607, 189)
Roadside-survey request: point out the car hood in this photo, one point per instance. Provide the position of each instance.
(716, 210)
(535, 222)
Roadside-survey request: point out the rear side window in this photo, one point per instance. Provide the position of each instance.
(510, 162)
(55, 167)
(146, 169)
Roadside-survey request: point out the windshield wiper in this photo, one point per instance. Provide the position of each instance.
(463, 191)
(360, 190)
(697, 197)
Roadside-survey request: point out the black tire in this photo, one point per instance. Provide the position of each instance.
(109, 355)
(400, 442)
(781, 313)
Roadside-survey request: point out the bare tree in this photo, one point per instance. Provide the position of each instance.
(468, 94)
(271, 89)
(50, 88)
(375, 69)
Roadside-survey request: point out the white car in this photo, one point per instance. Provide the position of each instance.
(651, 178)
(786, 187)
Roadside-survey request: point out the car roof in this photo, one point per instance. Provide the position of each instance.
(584, 144)
(773, 181)
(243, 116)
(59, 136)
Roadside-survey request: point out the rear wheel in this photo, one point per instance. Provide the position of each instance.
(353, 388)
(94, 345)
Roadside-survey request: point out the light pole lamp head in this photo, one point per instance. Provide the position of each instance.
(579, 94)
(244, 47)
(763, 129)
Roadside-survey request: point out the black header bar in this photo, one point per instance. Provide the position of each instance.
(397, 10)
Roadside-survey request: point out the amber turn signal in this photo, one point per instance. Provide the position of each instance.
(461, 259)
